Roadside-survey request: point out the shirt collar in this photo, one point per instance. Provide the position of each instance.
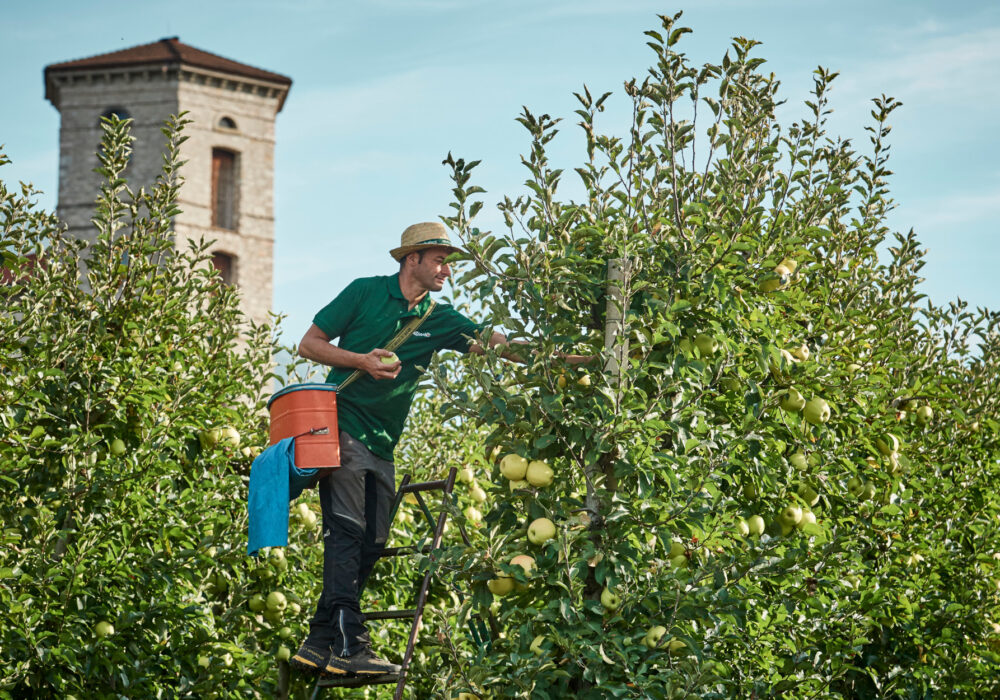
(392, 283)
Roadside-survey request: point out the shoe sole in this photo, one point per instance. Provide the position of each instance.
(305, 665)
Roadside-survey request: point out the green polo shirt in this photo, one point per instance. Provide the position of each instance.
(367, 315)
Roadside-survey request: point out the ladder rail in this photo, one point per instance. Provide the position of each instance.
(422, 596)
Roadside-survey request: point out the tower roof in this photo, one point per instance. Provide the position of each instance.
(165, 52)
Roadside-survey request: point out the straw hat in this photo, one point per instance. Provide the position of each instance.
(429, 234)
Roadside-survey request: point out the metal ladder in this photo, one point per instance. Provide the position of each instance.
(447, 486)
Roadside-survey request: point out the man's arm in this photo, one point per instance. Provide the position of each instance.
(500, 339)
(315, 345)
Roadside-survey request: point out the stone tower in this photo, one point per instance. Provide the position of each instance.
(228, 190)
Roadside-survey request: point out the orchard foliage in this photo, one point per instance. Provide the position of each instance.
(131, 407)
(757, 261)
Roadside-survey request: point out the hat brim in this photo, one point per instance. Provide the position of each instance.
(399, 253)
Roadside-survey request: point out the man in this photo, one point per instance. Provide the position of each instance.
(357, 497)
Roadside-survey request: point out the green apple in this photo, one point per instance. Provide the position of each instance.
(389, 359)
(561, 380)
(539, 473)
(466, 475)
(117, 447)
(501, 585)
(789, 264)
(229, 437)
(782, 271)
(209, 439)
(756, 525)
(742, 527)
(610, 599)
(103, 629)
(473, 515)
(283, 653)
(808, 517)
(257, 602)
(514, 467)
(285, 632)
(867, 491)
(817, 411)
(853, 367)
(729, 385)
(309, 519)
(275, 617)
(294, 608)
(792, 401)
(790, 516)
(854, 485)
(679, 562)
(706, 344)
(777, 371)
(204, 661)
(536, 645)
(518, 484)
(477, 494)
(676, 549)
(925, 414)
(771, 283)
(801, 353)
(675, 646)
(799, 461)
(584, 381)
(541, 530)
(685, 346)
(807, 494)
(276, 601)
(525, 562)
(887, 444)
(654, 636)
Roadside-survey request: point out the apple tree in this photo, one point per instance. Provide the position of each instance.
(132, 406)
(777, 477)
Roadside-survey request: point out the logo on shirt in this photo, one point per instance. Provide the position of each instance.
(422, 335)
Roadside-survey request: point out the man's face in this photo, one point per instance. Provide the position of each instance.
(432, 271)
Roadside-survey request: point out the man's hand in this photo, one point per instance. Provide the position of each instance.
(373, 364)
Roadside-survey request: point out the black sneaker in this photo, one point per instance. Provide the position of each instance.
(310, 659)
(361, 663)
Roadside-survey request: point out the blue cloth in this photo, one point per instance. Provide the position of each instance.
(274, 481)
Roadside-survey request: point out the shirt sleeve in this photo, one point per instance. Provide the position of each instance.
(335, 318)
(461, 332)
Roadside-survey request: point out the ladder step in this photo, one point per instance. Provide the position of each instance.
(356, 681)
(424, 486)
(390, 615)
(403, 551)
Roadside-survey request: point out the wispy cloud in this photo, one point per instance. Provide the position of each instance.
(957, 209)
(933, 63)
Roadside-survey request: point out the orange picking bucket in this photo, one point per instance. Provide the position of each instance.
(307, 412)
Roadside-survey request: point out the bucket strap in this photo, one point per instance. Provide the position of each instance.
(396, 341)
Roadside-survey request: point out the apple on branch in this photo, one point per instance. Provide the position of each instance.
(514, 467)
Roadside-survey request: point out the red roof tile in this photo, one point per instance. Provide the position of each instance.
(167, 52)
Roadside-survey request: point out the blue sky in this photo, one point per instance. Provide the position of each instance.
(384, 89)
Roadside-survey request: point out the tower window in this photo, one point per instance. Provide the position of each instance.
(225, 185)
(227, 123)
(110, 112)
(225, 264)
